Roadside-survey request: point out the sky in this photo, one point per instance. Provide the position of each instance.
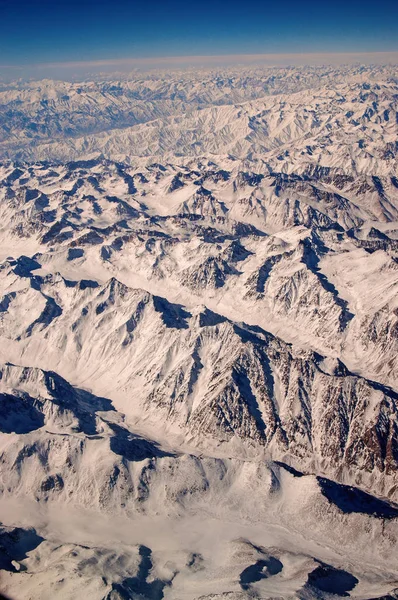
(54, 31)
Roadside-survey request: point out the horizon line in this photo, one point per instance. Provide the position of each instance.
(194, 59)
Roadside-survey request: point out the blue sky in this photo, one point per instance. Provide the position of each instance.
(37, 31)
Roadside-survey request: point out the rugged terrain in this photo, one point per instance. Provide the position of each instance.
(198, 317)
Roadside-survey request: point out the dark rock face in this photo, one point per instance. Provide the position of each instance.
(352, 500)
(175, 184)
(262, 569)
(333, 581)
(136, 587)
(20, 414)
(52, 483)
(15, 542)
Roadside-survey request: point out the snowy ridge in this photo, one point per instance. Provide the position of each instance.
(198, 323)
(349, 126)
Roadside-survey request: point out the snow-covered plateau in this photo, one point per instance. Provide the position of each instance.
(198, 325)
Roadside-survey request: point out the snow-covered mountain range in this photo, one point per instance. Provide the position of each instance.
(198, 317)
